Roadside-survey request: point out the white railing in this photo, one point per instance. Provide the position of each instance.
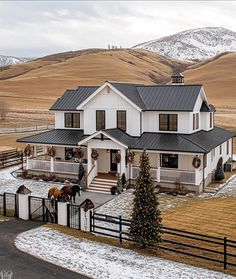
(59, 167)
(39, 165)
(135, 173)
(180, 176)
(67, 167)
(92, 173)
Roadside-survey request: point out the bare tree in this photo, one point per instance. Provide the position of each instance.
(4, 109)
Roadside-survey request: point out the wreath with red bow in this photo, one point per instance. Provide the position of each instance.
(94, 154)
(196, 162)
(79, 153)
(51, 152)
(130, 157)
(117, 158)
(28, 150)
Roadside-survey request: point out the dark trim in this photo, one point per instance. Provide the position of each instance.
(99, 110)
(72, 120)
(125, 120)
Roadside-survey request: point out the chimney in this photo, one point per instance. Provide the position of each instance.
(177, 79)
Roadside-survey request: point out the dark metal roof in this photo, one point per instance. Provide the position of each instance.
(121, 136)
(169, 97)
(207, 108)
(57, 137)
(146, 97)
(73, 98)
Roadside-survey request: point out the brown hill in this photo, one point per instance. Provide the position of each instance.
(36, 84)
(218, 76)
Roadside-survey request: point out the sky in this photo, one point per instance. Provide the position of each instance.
(38, 28)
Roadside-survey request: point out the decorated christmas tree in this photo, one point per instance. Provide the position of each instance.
(146, 217)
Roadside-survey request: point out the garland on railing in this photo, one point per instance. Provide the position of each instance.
(117, 158)
(94, 154)
(28, 150)
(51, 152)
(130, 156)
(79, 153)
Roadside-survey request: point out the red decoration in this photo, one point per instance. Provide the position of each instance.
(130, 156)
(79, 153)
(51, 152)
(196, 162)
(94, 154)
(117, 158)
(28, 150)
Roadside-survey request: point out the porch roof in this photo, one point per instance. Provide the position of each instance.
(58, 136)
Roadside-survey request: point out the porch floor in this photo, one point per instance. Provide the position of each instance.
(109, 176)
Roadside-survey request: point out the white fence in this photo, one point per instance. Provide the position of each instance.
(26, 129)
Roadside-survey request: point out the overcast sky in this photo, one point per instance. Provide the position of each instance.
(37, 28)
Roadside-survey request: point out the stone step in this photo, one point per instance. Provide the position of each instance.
(105, 180)
(99, 182)
(93, 184)
(99, 189)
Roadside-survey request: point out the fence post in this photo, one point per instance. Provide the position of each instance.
(120, 228)
(4, 204)
(43, 208)
(68, 215)
(80, 218)
(90, 224)
(225, 252)
(29, 205)
(16, 207)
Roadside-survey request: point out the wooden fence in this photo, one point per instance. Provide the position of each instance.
(10, 158)
(26, 129)
(215, 249)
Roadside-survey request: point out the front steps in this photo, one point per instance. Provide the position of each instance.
(101, 185)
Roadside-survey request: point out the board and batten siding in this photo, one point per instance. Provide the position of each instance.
(111, 102)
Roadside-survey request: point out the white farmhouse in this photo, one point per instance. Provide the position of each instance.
(173, 123)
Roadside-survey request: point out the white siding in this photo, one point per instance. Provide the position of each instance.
(111, 102)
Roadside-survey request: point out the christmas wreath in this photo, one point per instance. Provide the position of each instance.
(28, 150)
(51, 152)
(88, 204)
(79, 153)
(196, 162)
(94, 154)
(130, 157)
(117, 158)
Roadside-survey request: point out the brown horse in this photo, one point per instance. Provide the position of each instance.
(54, 193)
(70, 191)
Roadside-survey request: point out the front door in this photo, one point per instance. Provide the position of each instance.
(113, 164)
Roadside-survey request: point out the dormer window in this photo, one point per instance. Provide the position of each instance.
(72, 120)
(168, 122)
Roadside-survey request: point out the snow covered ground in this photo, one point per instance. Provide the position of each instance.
(103, 261)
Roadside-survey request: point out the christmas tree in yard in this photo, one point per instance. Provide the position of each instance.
(145, 227)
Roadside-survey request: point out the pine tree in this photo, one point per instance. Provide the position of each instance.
(146, 217)
(219, 173)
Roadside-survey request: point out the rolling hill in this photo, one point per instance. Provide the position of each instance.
(36, 84)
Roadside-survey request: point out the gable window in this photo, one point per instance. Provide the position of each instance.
(168, 122)
(211, 120)
(100, 119)
(72, 120)
(121, 119)
(169, 161)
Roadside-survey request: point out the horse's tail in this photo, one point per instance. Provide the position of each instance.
(49, 194)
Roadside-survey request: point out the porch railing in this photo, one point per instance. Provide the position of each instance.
(92, 173)
(177, 175)
(167, 175)
(59, 167)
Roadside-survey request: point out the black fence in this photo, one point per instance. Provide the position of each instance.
(215, 249)
(10, 157)
(1, 205)
(10, 205)
(42, 209)
(74, 216)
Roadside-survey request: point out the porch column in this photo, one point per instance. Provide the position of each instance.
(158, 168)
(35, 151)
(89, 159)
(27, 162)
(52, 164)
(122, 162)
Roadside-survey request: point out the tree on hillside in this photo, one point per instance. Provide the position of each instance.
(146, 217)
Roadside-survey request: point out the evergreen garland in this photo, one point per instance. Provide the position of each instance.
(146, 217)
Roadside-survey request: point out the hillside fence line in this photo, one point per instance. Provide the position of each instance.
(26, 129)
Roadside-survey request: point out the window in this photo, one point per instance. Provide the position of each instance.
(168, 122)
(212, 154)
(169, 160)
(72, 120)
(227, 147)
(211, 120)
(220, 149)
(100, 119)
(195, 121)
(121, 119)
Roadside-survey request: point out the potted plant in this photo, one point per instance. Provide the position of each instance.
(113, 190)
(123, 181)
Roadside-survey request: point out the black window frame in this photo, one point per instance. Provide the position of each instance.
(168, 122)
(211, 119)
(72, 120)
(173, 161)
(117, 119)
(98, 128)
(197, 121)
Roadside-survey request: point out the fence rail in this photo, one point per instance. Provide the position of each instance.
(26, 129)
(10, 157)
(215, 249)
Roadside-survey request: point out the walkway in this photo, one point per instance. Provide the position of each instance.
(23, 265)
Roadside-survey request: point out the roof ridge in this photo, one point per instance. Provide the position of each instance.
(192, 141)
